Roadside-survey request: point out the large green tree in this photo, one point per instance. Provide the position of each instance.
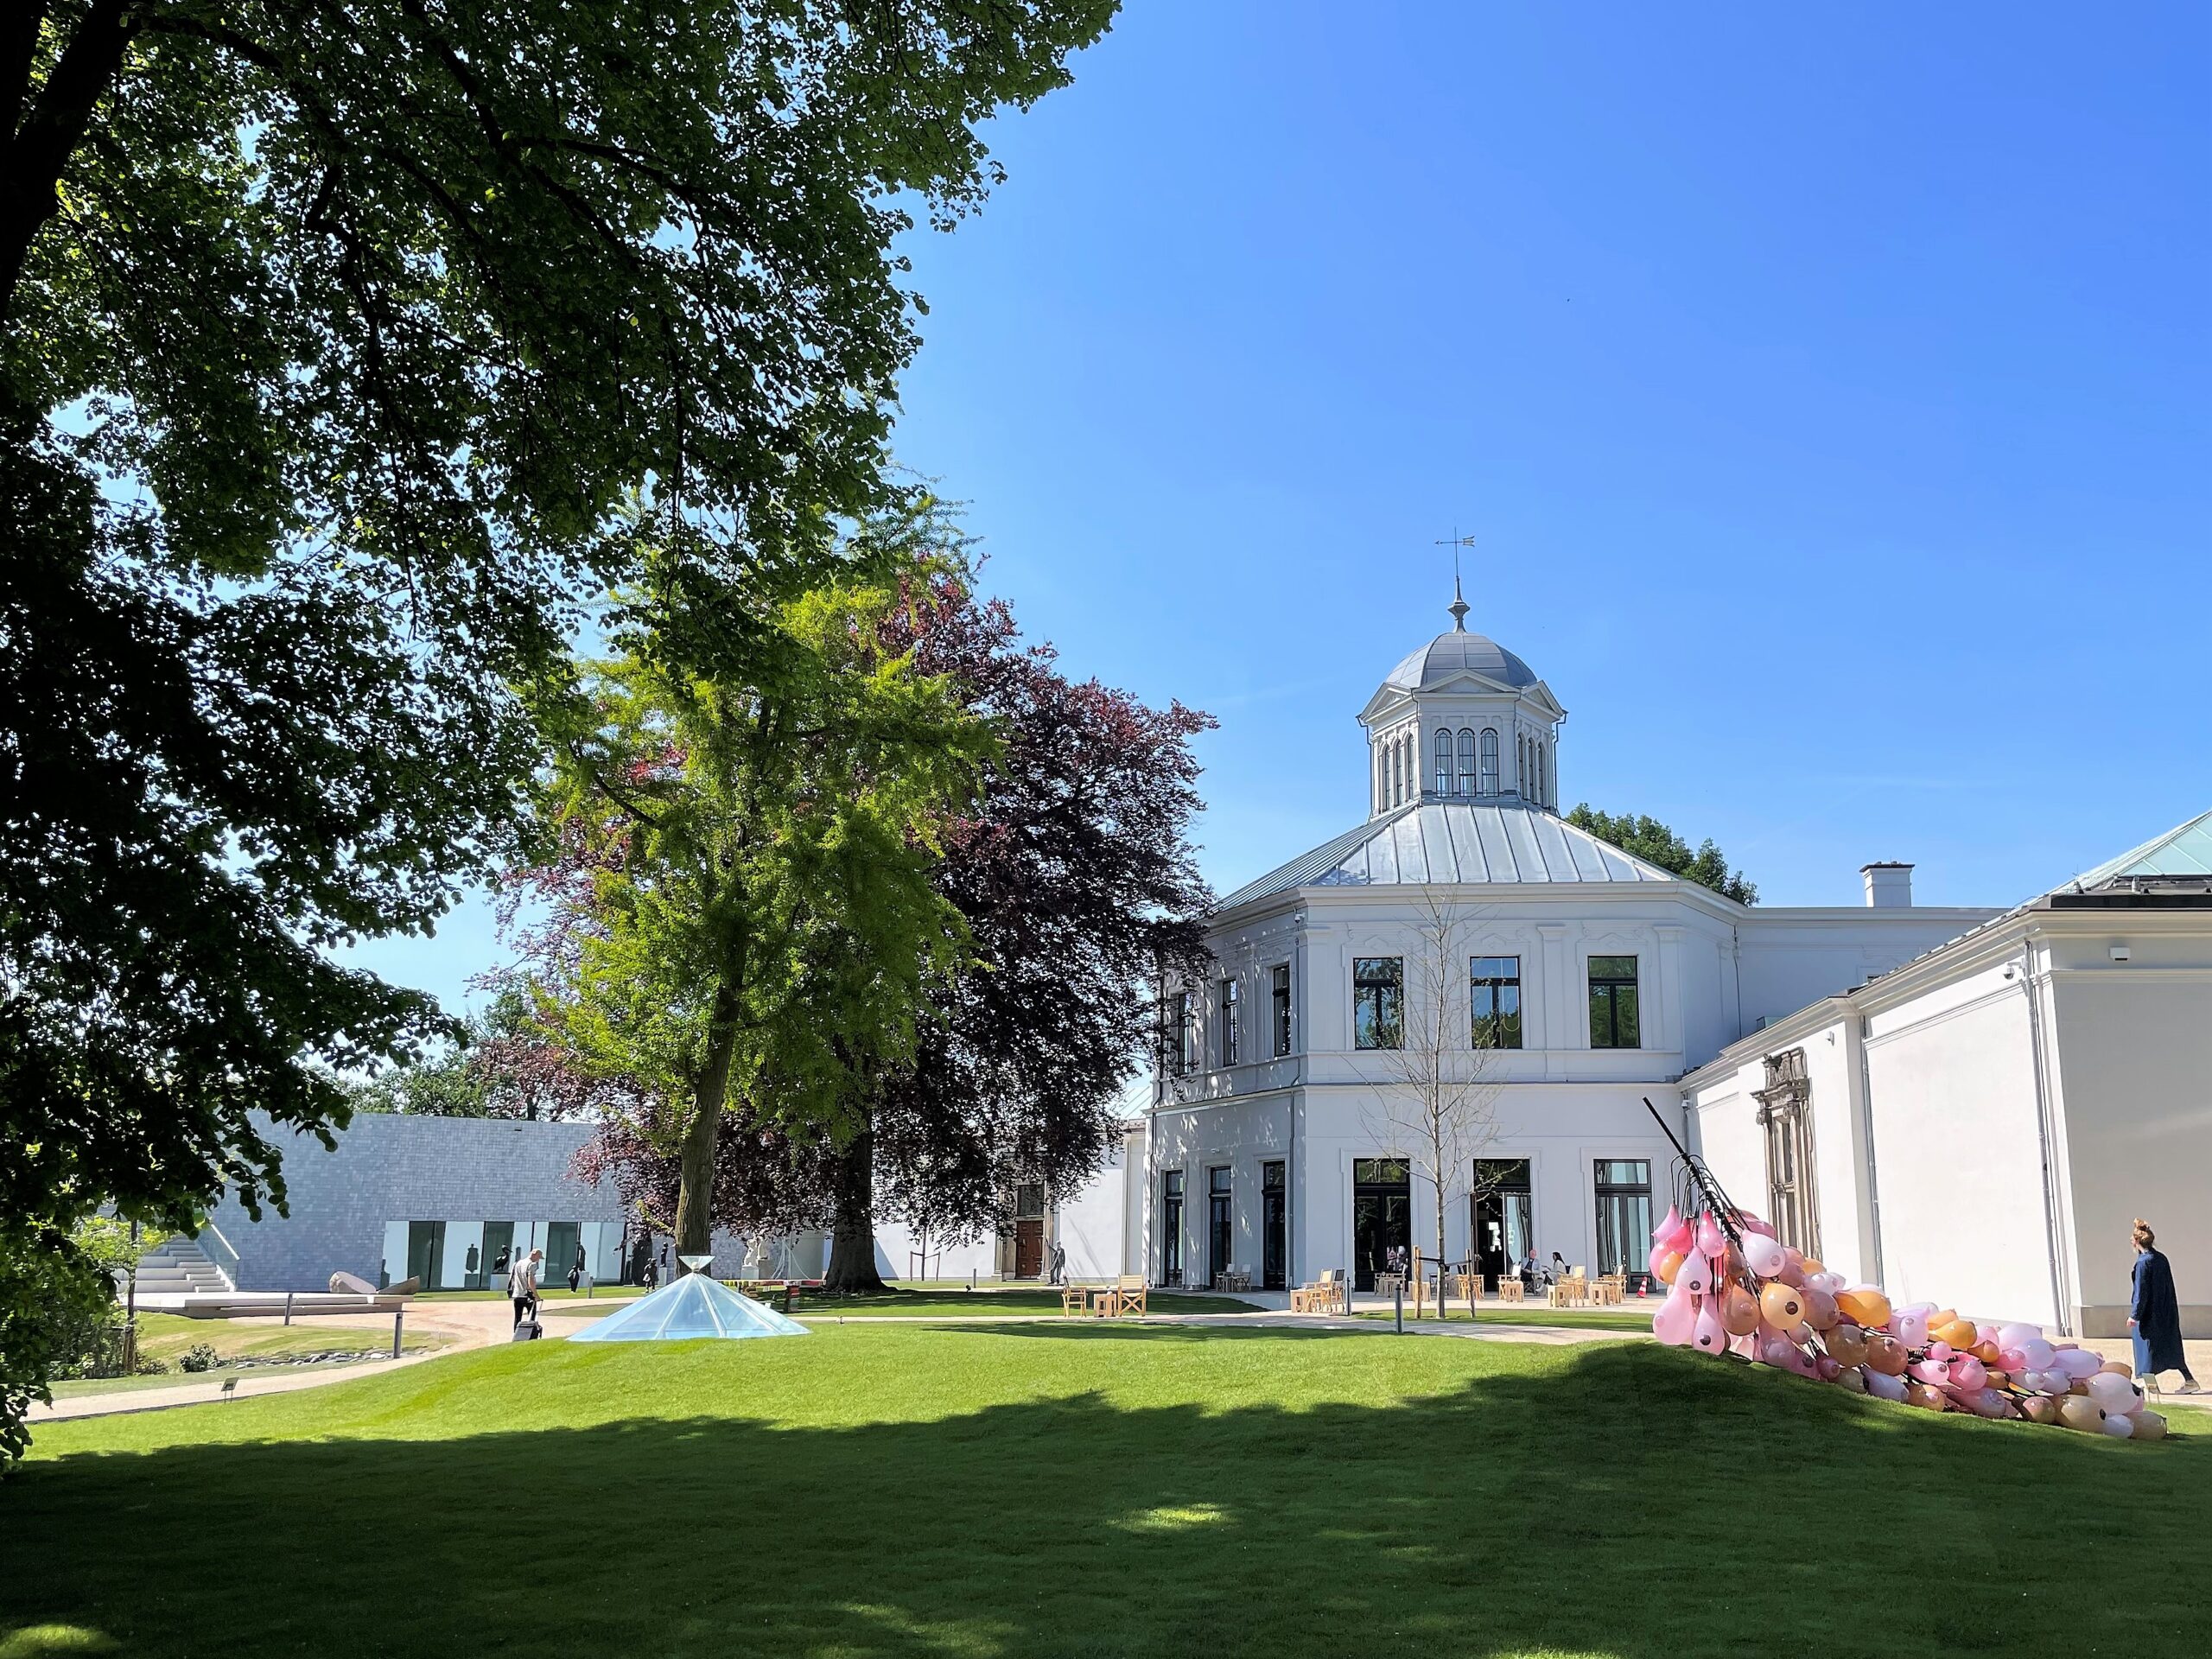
(740, 827)
(1654, 843)
(331, 335)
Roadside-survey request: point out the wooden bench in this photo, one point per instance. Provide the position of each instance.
(1321, 1296)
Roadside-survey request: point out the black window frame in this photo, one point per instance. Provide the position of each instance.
(1611, 993)
(1279, 990)
(1229, 1005)
(1619, 1238)
(1378, 1002)
(1171, 1227)
(1498, 986)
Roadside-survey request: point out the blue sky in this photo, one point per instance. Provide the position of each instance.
(1827, 393)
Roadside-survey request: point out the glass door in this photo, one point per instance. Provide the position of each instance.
(1275, 1240)
(426, 1245)
(498, 1255)
(1623, 1214)
(1503, 1213)
(1381, 1217)
(1171, 1227)
(1219, 1238)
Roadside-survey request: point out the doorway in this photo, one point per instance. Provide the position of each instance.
(1029, 1230)
(1218, 1235)
(1382, 1215)
(1503, 1215)
(426, 1247)
(560, 1250)
(498, 1249)
(1171, 1227)
(1275, 1253)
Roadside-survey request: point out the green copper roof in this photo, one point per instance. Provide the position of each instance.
(2186, 851)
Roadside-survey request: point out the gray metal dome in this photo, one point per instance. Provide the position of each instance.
(1456, 652)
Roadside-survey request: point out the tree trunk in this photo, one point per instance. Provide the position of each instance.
(852, 1245)
(695, 1194)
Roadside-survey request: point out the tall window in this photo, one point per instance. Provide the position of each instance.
(1186, 1016)
(1466, 761)
(1229, 1040)
(1444, 763)
(1624, 1214)
(1786, 1115)
(1494, 990)
(1280, 990)
(1397, 773)
(1488, 786)
(1378, 1001)
(1544, 773)
(1612, 1003)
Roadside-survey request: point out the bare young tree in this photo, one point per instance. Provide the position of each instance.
(1439, 1083)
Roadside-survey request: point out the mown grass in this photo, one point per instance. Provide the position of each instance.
(962, 1491)
(1535, 1315)
(166, 1336)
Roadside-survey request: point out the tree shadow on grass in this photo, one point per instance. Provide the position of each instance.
(1611, 1500)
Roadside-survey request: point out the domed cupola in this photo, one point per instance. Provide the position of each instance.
(1462, 718)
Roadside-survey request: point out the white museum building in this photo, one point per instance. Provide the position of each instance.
(1569, 981)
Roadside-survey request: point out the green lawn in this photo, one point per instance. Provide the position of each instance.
(1085, 1489)
(1534, 1313)
(954, 1304)
(165, 1335)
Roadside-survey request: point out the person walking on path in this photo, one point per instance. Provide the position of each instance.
(576, 1267)
(2154, 1315)
(522, 1285)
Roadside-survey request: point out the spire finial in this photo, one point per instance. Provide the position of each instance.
(1459, 605)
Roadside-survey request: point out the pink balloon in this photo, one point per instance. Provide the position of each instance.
(1969, 1373)
(1941, 1350)
(1711, 1240)
(1777, 1352)
(2011, 1361)
(1931, 1371)
(2078, 1362)
(1885, 1388)
(1671, 1220)
(1696, 1276)
(1708, 1335)
(1676, 1318)
(2018, 1335)
(1828, 1369)
(1763, 1255)
(1911, 1327)
(2039, 1354)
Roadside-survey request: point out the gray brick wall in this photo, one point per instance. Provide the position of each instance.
(396, 1167)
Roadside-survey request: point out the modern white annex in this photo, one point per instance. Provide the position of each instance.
(1552, 978)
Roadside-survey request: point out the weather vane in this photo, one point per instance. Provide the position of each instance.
(1459, 605)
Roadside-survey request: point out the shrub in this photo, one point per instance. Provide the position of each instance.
(200, 1357)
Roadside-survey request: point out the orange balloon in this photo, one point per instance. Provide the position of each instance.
(1783, 1305)
(1740, 1311)
(1846, 1345)
(1869, 1307)
(1669, 1265)
(1813, 1267)
(1986, 1352)
(1885, 1355)
(1820, 1310)
(1960, 1333)
(1927, 1396)
(1942, 1317)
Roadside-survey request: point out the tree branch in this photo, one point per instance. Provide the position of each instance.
(40, 148)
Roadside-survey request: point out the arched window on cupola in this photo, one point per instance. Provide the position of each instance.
(1543, 774)
(1487, 784)
(1466, 761)
(1443, 762)
(1397, 771)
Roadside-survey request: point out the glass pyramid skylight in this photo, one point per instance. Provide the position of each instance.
(694, 1306)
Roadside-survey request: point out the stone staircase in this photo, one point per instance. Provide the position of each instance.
(181, 1268)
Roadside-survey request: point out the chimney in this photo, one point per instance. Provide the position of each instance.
(1889, 886)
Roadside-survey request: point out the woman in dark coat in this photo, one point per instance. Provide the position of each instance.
(2154, 1315)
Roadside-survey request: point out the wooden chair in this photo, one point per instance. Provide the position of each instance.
(1127, 1297)
(1319, 1296)
(1075, 1299)
(1509, 1287)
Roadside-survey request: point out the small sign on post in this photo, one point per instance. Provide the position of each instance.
(398, 1315)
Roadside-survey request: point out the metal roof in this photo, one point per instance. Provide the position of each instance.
(1456, 652)
(1441, 842)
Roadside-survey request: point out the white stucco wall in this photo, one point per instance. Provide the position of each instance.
(1958, 1154)
(2134, 1050)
